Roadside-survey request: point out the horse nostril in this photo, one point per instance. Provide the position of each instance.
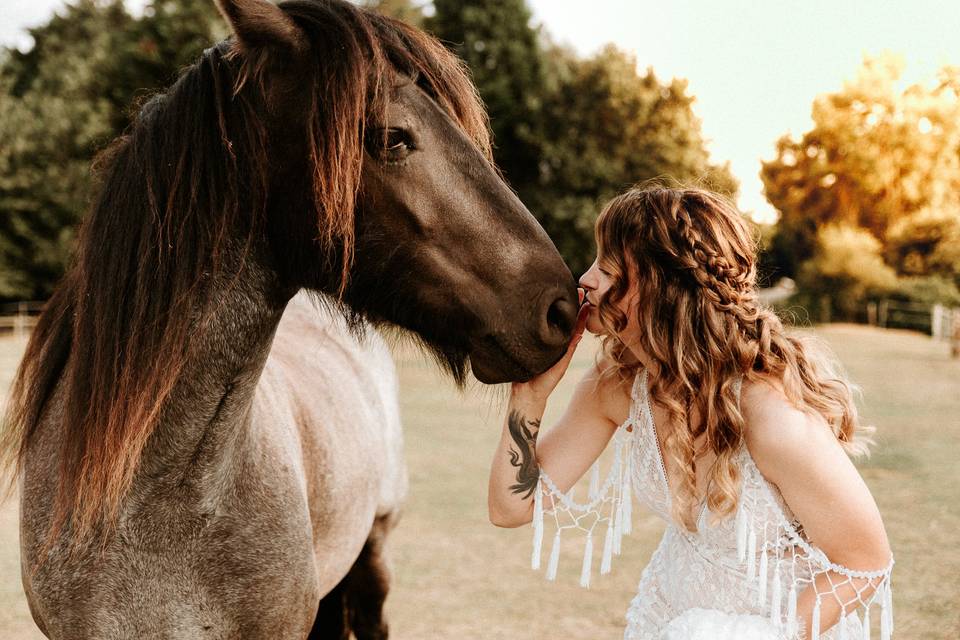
(561, 316)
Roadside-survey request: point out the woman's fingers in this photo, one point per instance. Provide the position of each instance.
(577, 335)
(581, 320)
(544, 383)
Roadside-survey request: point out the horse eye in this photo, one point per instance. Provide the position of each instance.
(390, 144)
(396, 139)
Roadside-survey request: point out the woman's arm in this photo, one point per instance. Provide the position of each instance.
(565, 452)
(799, 454)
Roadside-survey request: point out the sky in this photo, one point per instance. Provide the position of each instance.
(754, 67)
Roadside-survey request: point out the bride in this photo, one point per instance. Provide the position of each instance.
(734, 432)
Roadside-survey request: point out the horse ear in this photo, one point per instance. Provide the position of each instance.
(260, 23)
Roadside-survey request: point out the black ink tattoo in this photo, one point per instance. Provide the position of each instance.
(524, 433)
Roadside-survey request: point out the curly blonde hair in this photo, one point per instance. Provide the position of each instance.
(693, 257)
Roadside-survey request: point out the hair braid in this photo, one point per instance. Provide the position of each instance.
(702, 324)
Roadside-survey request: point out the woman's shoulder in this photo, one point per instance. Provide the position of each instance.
(778, 433)
(607, 388)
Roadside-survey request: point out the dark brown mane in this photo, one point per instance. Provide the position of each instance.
(188, 181)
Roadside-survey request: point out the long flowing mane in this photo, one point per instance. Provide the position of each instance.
(187, 179)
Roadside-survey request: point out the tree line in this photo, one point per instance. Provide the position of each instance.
(569, 132)
(869, 198)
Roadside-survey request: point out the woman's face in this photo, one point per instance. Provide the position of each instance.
(595, 282)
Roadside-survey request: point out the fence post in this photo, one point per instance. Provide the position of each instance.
(882, 313)
(936, 322)
(20, 320)
(955, 333)
(825, 309)
(872, 314)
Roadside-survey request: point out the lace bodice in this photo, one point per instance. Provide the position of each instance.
(756, 563)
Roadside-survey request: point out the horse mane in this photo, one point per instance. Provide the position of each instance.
(187, 181)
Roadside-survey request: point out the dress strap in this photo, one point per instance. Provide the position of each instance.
(637, 395)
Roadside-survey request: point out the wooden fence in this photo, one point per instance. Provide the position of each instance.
(19, 318)
(941, 322)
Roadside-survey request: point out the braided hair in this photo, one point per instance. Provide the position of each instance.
(701, 323)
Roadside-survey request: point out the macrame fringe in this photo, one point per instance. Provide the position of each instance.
(775, 604)
(610, 501)
(792, 611)
(537, 527)
(594, 481)
(886, 612)
(787, 550)
(554, 557)
(617, 516)
(751, 556)
(741, 534)
(607, 550)
(762, 587)
(626, 504)
(587, 562)
(815, 621)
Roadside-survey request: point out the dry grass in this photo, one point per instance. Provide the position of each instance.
(456, 576)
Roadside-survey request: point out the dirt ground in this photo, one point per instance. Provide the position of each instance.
(457, 576)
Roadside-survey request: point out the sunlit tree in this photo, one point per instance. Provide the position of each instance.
(877, 157)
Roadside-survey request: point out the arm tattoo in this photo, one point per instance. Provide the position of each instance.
(524, 433)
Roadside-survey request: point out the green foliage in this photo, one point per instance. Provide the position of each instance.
(62, 101)
(607, 127)
(496, 41)
(876, 157)
(927, 290)
(569, 133)
(405, 10)
(848, 268)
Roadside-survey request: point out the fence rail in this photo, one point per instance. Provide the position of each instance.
(941, 322)
(19, 318)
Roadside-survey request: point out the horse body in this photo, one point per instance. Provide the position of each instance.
(249, 537)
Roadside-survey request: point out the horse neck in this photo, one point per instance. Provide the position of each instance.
(196, 440)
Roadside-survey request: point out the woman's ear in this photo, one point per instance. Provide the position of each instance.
(260, 23)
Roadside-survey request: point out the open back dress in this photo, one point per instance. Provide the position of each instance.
(738, 577)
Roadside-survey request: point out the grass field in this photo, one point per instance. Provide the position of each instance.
(456, 576)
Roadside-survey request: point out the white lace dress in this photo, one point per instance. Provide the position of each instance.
(737, 578)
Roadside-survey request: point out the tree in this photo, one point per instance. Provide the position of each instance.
(847, 267)
(607, 127)
(62, 101)
(568, 132)
(876, 156)
(495, 39)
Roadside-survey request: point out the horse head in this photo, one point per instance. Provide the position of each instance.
(382, 190)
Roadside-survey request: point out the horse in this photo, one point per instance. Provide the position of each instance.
(196, 455)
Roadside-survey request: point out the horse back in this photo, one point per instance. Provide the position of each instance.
(246, 553)
(340, 393)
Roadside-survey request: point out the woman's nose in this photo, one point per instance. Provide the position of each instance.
(587, 282)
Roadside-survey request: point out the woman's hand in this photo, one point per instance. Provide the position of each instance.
(537, 389)
(567, 449)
